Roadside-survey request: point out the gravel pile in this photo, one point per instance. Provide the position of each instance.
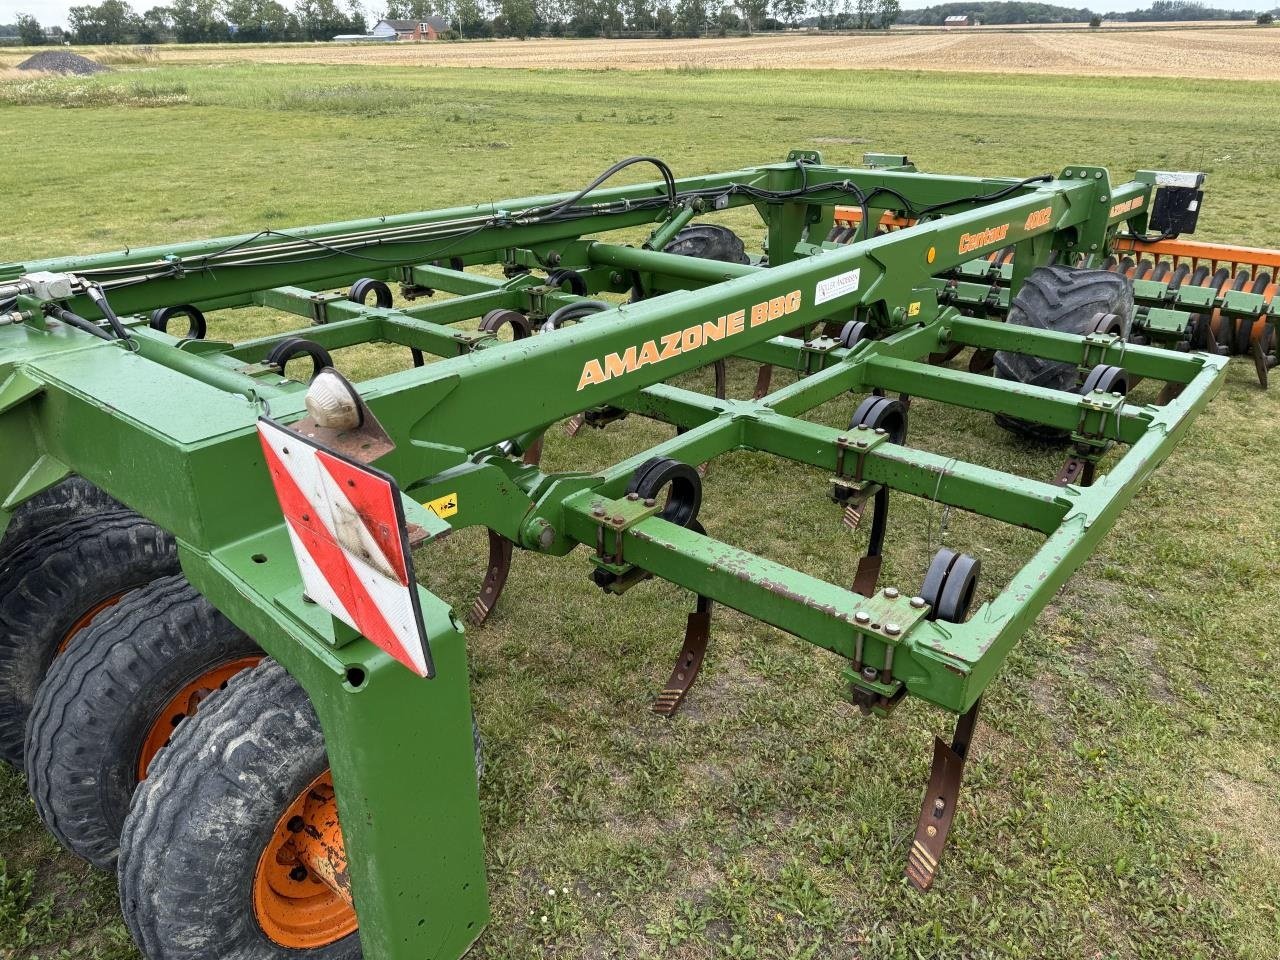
(62, 61)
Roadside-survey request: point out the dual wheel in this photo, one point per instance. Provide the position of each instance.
(158, 741)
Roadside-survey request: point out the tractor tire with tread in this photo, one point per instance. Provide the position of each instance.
(112, 698)
(200, 822)
(1064, 300)
(73, 497)
(202, 819)
(53, 586)
(708, 241)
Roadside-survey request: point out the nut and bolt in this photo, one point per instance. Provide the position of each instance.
(918, 602)
(869, 673)
(862, 617)
(892, 629)
(617, 521)
(939, 805)
(891, 593)
(633, 496)
(598, 511)
(650, 502)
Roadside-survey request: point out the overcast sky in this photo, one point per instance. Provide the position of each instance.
(51, 12)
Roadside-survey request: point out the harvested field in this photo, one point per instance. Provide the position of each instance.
(1243, 53)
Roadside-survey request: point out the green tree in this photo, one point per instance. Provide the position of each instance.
(691, 17)
(155, 26)
(789, 11)
(887, 13)
(257, 21)
(111, 21)
(324, 20)
(1266, 19)
(639, 14)
(862, 11)
(753, 12)
(519, 16)
(30, 33)
(198, 21)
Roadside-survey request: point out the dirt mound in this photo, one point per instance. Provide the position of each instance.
(62, 61)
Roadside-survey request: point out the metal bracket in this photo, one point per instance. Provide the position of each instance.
(860, 441)
(617, 516)
(320, 306)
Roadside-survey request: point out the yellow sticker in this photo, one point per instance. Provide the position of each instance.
(913, 310)
(445, 506)
(931, 255)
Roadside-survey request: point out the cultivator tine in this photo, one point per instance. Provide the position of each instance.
(1077, 470)
(868, 574)
(939, 807)
(1261, 362)
(763, 379)
(689, 663)
(495, 578)
(533, 456)
(982, 361)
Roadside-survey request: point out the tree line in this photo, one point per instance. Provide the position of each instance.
(259, 21)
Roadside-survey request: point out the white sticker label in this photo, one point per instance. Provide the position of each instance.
(836, 286)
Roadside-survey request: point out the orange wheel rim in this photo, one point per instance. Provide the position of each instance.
(184, 704)
(84, 620)
(294, 908)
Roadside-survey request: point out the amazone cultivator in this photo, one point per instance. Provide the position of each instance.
(215, 562)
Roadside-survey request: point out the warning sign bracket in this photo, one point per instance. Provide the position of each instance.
(346, 521)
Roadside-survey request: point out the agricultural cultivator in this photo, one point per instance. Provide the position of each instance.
(215, 661)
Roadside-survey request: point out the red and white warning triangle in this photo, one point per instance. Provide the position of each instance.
(347, 526)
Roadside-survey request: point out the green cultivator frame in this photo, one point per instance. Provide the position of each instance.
(181, 430)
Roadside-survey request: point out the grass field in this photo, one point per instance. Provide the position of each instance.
(1121, 800)
(1196, 51)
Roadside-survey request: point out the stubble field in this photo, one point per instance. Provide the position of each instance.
(1234, 53)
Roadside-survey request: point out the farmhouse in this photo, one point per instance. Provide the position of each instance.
(958, 21)
(428, 28)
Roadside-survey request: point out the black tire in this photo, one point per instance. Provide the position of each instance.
(207, 811)
(1065, 300)
(708, 241)
(204, 815)
(73, 497)
(103, 698)
(50, 588)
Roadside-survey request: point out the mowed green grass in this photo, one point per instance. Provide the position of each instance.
(1123, 783)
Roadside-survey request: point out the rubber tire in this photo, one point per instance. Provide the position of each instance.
(205, 813)
(1065, 300)
(208, 808)
(49, 583)
(708, 241)
(102, 697)
(73, 497)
